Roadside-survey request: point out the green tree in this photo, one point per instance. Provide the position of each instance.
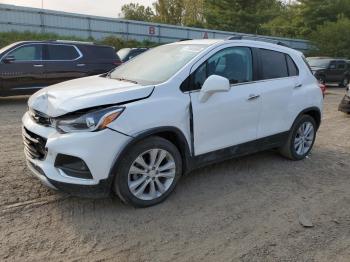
(169, 11)
(289, 23)
(245, 16)
(193, 13)
(332, 38)
(316, 12)
(137, 12)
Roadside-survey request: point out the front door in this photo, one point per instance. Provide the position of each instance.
(228, 118)
(24, 74)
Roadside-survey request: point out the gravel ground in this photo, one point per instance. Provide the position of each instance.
(245, 209)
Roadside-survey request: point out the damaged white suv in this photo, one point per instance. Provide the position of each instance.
(177, 107)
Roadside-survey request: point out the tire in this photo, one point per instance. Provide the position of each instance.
(140, 183)
(345, 82)
(290, 150)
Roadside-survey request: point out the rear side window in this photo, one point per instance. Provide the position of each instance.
(273, 64)
(62, 52)
(292, 68)
(341, 65)
(27, 53)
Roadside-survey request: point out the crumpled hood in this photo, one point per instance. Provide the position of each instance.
(70, 96)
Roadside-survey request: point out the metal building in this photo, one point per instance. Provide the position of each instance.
(15, 18)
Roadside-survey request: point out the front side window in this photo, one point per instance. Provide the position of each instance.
(235, 63)
(273, 64)
(27, 53)
(62, 52)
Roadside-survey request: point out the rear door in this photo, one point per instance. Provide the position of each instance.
(23, 75)
(62, 63)
(278, 79)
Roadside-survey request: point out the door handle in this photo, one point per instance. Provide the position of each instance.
(38, 65)
(253, 97)
(80, 65)
(298, 85)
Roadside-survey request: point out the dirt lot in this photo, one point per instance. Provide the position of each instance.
(240, 210)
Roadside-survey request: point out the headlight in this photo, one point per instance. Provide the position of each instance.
(92, 121)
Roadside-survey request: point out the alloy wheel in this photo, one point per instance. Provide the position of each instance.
(304, 138)
(151, 174)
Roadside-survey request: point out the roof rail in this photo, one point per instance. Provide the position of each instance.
(72, 41)
(235, 37)
(241, 37)
(282, 44)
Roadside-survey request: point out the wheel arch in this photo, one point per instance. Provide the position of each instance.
(314, 112)
(172, 134)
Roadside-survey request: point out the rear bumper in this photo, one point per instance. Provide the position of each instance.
(344, 105)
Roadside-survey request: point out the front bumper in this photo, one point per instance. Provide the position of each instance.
(98, 150)
(344, 105)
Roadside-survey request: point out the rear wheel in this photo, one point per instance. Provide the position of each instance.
(148, 172)
(301, 139)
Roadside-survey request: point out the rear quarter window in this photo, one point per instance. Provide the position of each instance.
(292, 68)
(100, 53)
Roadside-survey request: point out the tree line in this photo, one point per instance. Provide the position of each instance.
(324, 22)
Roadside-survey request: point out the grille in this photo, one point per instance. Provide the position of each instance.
(40, 118)
(34, 145)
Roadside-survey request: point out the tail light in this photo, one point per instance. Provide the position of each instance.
(323, 89)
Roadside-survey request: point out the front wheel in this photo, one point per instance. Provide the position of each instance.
(301, 138)
(148, 172)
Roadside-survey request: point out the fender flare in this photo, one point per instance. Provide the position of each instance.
(182, 145)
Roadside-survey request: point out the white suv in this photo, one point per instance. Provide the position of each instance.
(174, 108)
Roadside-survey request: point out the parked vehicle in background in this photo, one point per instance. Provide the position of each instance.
(330, 70)
(28, 66)
(344, 105)
(177, 107)
(125, 54)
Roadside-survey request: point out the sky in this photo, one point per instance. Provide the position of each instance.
(109, 8)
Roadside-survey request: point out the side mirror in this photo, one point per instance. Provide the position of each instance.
(8, 59)
(213, 84)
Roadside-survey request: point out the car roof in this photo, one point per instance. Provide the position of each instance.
(253, 43)
(78, 43)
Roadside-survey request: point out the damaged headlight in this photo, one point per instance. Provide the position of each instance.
(91, 121)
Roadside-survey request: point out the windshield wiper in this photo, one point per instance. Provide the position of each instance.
(126, 80)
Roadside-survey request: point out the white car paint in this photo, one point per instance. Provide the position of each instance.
(225, 119)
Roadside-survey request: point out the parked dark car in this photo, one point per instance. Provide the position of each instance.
(344, 105)
(125, 54)
(28, 66)
(330, 70)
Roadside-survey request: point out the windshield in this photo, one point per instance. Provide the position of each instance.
(322, 63)
(158, 64)
(122, 53)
